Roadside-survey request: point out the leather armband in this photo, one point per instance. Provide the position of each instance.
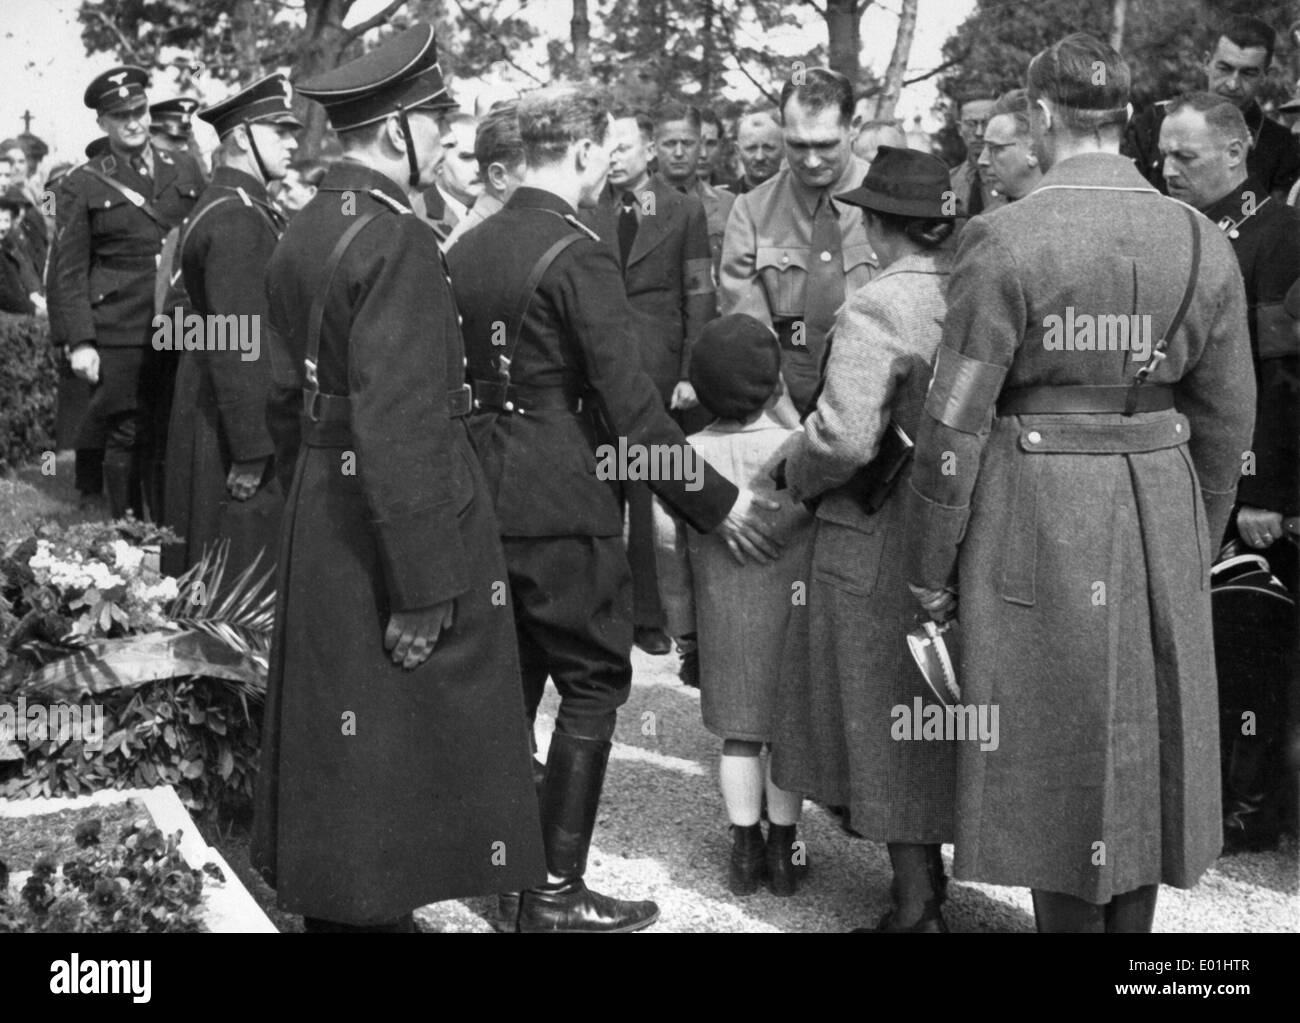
(1278, 334)
(698, 275)
(963, 391)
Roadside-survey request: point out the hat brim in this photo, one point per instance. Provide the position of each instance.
(135, 103)
(869, 199)
(286, 119)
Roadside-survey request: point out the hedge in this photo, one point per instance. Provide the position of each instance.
(29, 380)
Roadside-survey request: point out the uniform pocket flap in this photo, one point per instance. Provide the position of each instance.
(781, 258)
(856, 255)
(1075, 438)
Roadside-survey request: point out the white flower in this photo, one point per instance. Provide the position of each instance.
(126, 557)
(164, 589)
(100, 576)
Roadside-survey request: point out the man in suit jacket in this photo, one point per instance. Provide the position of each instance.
(113, 214)
(677, 145)
(660, 238)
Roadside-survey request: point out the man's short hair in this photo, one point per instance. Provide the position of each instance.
(1086, 81)
(553, 118)
(670, 112)
(1246, 32)
(1222, 115)
(707, 116)
(497, 139)
(1014, 104)
(821, 88)
(644, 122)
(754, 117)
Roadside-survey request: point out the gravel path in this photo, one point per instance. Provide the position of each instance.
(662, 834)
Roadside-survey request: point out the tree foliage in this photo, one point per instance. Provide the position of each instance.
(1163, 43)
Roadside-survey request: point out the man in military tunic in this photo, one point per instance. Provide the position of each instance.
(1073, 473)
(112, 215)
(395, 760)
(1205, 139)
(553, 356)
(791, 254)
(221, 481)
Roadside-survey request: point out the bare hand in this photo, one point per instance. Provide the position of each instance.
(85, 362)
(244, 478)
(747, 535)
(940, 605)
(683, 397)
(1258, 527)
(411, 635)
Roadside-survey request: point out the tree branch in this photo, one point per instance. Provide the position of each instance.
(128, 51)
(729, 34)
(819, 10)
(474, 20)
(940, 69)
(374, 21)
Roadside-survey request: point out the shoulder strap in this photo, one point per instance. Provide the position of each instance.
(317, 314)
(193, 221)
(1158, 353)
(132, 196)
(516, 324)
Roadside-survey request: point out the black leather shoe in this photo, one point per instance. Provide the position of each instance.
(748, 859)
(507, 912)
(931, 922)
(652, 640)
(782, 873)
(573, 908)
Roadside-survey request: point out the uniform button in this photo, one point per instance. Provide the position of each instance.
(509, 406)
(1178, 427)
(826, 257)
(784, 259)
(1034, 437)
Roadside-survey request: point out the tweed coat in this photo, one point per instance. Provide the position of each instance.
(846, 663)
(425, 791)
(218, 415)
(740, 611)
(668, 279)
(1082, 543)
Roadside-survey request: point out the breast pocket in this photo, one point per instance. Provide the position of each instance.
(784, 272)
(860, 265)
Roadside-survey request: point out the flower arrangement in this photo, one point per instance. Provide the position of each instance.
(178, 665)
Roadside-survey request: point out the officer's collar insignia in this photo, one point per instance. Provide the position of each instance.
(109, 163)
(387, 200)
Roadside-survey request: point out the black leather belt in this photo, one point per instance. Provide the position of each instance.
(337, 408)
(521, 398)
(1085, 399)
(127, 262)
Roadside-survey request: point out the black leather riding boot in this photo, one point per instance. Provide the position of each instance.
(1133, 912)
(575, 775)
(1057, 913)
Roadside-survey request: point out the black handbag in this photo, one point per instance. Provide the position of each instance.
(871, 485)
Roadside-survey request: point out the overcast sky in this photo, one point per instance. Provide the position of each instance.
(45, 69)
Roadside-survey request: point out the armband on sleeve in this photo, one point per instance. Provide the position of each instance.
(963, 391)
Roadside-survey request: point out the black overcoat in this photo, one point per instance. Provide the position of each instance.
(383, 789)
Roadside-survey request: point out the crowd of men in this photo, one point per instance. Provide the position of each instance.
(543, 270)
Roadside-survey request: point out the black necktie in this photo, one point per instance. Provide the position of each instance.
(626, 227)
(976, 204)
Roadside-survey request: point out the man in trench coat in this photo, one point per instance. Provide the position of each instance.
(221, 481)
(1080, 535)
(395, 759)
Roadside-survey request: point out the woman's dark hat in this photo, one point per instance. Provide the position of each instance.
(13, 200)
(735, 366)
(905, 182)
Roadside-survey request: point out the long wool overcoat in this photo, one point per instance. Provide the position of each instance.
(846, 664)
(1082, 543)
(383, 789)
